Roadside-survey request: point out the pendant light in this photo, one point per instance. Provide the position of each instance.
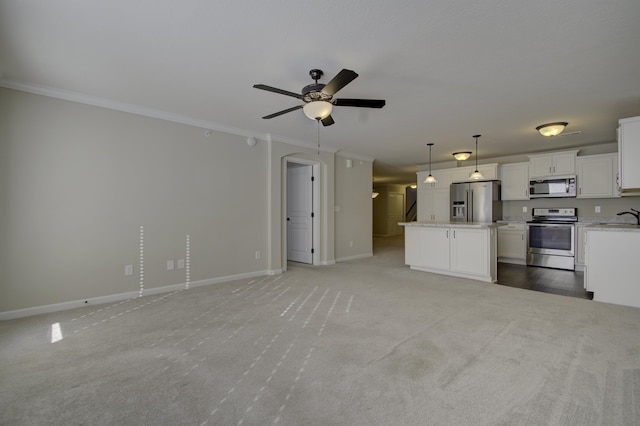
(430, 178)
(476, 174)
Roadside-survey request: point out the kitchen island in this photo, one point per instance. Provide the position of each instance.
(611, 263)
(461, 249)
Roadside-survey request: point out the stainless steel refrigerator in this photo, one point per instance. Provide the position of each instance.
(477, 201)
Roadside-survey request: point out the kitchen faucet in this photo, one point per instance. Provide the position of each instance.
(636, 214)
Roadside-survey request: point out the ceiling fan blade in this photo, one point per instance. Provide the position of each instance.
(343, 78)
(363, 103)
(276, 90)
(284, 111)
(328, 121)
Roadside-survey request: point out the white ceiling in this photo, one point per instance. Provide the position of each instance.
(447, 69)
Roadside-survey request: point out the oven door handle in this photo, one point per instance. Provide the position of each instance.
(566, 225)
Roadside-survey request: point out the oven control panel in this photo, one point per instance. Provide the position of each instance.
(561, 212)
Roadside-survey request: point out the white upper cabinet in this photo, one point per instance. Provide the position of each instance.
(488, 171)
(629, 152)
(515, 181)
(553, 164)
(597, 176)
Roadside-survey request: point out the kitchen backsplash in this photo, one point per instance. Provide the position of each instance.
(609, 207)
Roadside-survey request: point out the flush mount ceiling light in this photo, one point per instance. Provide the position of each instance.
(461, 156)
(430, 179)
(476, 174)
(552, 129)
(317, 110)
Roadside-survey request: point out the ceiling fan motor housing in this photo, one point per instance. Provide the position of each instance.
(313, 92)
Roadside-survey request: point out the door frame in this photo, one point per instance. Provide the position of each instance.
(317, 211)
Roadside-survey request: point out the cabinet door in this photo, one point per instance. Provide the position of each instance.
(596, 176)
(540, 165)
(511, 243)
(515, 181)
(564, 163)
(441, 205)
(425, 205)
(413, 237)
(556, 164)
(443, 178)
(629, 152)
(580, 244)
(435, 248)
(489, 171)
(461, 174)
(470, 251)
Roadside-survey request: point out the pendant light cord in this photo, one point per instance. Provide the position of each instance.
(318, 137)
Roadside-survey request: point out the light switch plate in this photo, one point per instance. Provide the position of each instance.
(180, 263)
(170, 265)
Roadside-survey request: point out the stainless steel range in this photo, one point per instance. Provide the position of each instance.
(552, 238)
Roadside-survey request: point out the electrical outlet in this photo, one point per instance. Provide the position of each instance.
(128, 270)
(351, 243)
(524, 209)
(258, 254)
(597, 209)
(170, 265)
(180, 263)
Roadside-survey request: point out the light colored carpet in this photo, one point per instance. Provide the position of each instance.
(366, 342)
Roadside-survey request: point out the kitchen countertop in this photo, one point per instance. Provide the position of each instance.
(476, 225)
(614, 227)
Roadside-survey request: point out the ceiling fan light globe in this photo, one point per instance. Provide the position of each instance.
(317, 110)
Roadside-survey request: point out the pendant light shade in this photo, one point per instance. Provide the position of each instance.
(552, 129)
(317, 110)
(476, 174)
(430, 178)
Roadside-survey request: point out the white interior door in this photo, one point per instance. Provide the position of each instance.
(300, 213)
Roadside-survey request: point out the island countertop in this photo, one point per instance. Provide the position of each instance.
(475, 225)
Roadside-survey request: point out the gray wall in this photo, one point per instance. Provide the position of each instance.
(78, 181)
(353, 207)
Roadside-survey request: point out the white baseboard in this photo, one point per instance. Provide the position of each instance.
(357, 256)
(111, 298)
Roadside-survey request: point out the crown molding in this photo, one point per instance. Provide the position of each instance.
(351, 155)
(82, 98)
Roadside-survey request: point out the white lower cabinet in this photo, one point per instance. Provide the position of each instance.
(462, 251)
(611, 271)
(424, 247)
(512, 243)
(469, 251)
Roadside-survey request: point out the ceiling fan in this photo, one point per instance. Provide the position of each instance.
(318, 98)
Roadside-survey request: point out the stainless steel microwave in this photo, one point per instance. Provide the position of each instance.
(549, 187)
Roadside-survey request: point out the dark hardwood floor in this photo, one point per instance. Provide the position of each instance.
(546, 280)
